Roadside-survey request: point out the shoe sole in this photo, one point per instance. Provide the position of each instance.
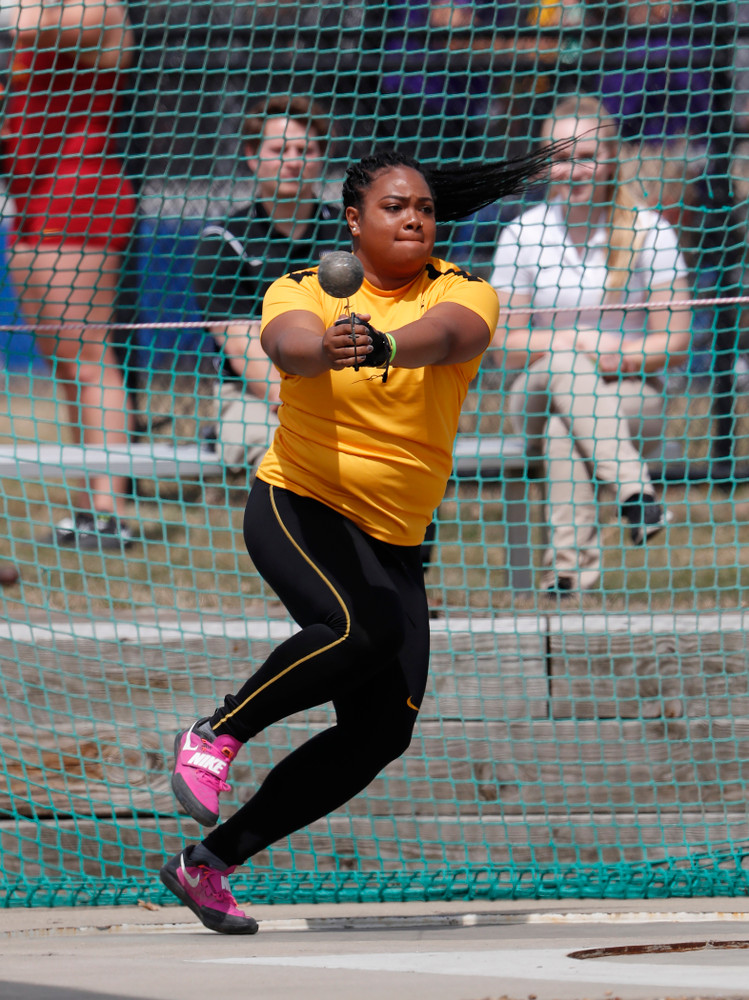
(92, 543)
(222, 923)
(560, 596)
(192, 805)
(55, 539)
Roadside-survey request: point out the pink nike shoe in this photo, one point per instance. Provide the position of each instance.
(201, 764)
(207, 893)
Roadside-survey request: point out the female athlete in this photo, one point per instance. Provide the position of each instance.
(338, 511)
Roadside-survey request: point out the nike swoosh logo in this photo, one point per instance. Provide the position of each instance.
(187, 745)
(193, 882)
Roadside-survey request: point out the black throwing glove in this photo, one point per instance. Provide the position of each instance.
(379, 356)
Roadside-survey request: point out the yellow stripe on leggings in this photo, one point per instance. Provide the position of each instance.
(309, 656)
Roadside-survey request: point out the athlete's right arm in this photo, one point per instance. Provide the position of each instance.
(298, 343)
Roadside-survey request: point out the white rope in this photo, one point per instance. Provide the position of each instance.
(676, 305)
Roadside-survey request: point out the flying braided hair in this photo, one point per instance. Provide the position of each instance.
(459, 190)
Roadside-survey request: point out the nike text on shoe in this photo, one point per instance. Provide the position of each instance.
(206, 891)
(201, 764)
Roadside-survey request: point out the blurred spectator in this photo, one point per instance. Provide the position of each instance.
(591, 393)
(674, 87)
(74, 213)
(553, 13)
(443, 109)
(741, 11)
(659, 82)
(285, 228)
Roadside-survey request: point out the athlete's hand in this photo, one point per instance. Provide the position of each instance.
(345, 347)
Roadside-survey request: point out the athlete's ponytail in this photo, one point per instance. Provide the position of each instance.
(458, 190)
(461, 190)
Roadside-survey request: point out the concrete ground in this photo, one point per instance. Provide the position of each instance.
(442, 951)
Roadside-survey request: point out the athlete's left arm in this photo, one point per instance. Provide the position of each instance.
(447, 334)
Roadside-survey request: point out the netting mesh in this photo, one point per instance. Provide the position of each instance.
(585, 732)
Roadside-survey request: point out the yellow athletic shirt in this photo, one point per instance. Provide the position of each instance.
(378, 453)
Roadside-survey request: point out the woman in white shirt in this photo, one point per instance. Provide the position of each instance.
(590, 398)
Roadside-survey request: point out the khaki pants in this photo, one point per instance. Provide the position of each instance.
(245, 425)
(589, 432)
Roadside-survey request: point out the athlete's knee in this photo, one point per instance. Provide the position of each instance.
(397, 742)
(373, 756)
(385, 742)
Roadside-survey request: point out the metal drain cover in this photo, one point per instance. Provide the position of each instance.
(670, 948)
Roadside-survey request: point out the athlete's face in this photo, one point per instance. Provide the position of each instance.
(583, 168)
(394, 229)
(288, 161)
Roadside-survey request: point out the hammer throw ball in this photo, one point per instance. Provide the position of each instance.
(340, 274)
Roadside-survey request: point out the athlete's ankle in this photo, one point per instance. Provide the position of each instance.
(200, 855)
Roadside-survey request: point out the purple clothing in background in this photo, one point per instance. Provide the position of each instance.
(665, 88)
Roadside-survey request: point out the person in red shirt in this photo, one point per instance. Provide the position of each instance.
(74, 214)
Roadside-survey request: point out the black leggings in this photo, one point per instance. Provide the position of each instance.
(363, 645)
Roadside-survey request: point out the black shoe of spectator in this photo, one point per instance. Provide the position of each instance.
(561, 588)
(91, 532)
(109, 534)
(645, 515)
(69, 530)
(209, 437)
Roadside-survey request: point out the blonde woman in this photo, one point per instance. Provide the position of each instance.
(589, 399)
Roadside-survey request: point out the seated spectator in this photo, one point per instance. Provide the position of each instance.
(286, 227)
(590, 399)
(669, 79)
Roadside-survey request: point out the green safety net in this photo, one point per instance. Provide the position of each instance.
(581, 742)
